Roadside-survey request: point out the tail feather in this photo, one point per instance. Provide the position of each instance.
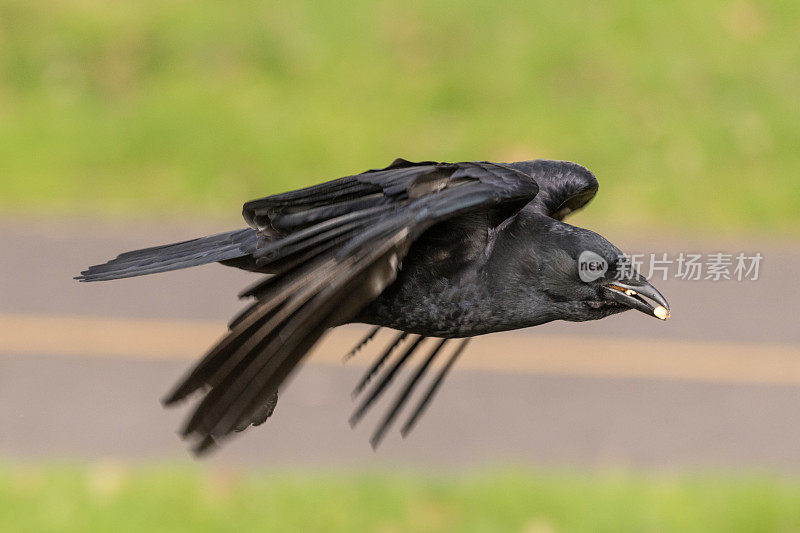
(212, 249)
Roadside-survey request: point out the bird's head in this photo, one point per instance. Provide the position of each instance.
(581, 275)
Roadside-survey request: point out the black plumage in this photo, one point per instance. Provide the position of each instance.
(430, 249)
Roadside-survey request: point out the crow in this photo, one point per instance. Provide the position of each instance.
(440, 252)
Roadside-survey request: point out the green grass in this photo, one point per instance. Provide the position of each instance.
(112, 497)
(688, 113)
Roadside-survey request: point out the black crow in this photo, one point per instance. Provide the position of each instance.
(433, 250)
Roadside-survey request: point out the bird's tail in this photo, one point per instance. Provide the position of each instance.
(222, 247)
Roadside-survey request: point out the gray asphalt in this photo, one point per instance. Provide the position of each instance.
(53, 405)
(89, 408)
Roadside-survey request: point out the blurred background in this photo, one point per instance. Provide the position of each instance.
(124, 125)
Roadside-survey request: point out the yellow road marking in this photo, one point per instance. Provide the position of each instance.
(503, 352)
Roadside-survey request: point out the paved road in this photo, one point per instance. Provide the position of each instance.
(729, 398)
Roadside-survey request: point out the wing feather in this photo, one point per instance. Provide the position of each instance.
(432, 389)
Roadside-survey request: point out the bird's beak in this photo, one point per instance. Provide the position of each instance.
(636, 295)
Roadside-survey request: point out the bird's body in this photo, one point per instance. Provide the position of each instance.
(443, 288)
(468, 283)
(429, 249)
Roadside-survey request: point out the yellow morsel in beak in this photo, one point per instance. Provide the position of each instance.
(661, 312)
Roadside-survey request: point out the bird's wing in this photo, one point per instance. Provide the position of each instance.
(335, 247)
(564, 187)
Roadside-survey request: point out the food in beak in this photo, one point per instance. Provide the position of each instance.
(634, 297)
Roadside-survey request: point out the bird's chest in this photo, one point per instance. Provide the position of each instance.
(441, 307)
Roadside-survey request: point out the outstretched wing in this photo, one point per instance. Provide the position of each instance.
(564, 187)
(334, 247)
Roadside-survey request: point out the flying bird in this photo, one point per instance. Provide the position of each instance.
(439, 252)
